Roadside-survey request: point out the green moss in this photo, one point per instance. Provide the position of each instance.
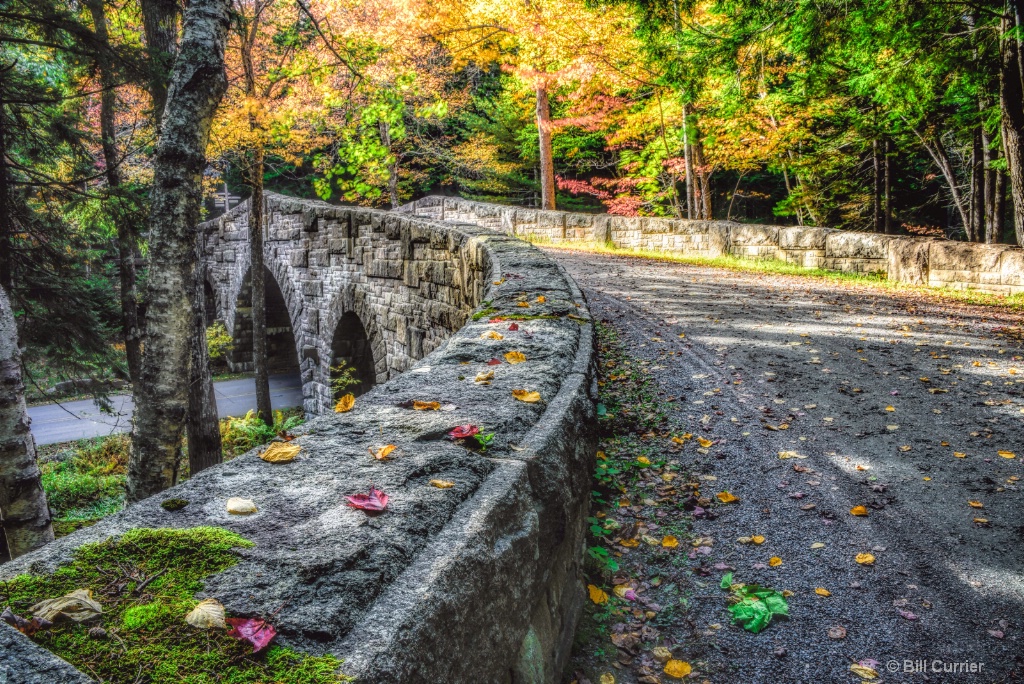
(149, 640)
(173, 504)
(484, 313)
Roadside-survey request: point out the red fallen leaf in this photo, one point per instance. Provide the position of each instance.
(514, 326)
(376, 500)
(494, 362)
(286, 436)
(255, 631)
(26, 627)
(497, 319)
(464, 431)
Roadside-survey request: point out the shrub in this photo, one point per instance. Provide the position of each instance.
(219, 344)
(239, 435)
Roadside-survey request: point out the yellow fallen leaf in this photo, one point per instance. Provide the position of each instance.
(981, 521)
(541, 299)
(381, 454)
(345, 404)
(426, 405)
(442, 484)
(669, 542)
(678, 440)
(629, 543)
(515, 357)
(484, 377)
(859, 510)
(677, 669)
(790, 454)
(281, 452)
(499, 282)
(821, 591)
(959, 454)
(621, 589)
(865, 559)
(597, 595)
(526, 396)
(905, 448)
(757, 539)
(602, 456)
(890, 408)
(643, 460)
(817, 545)
(704, 442)
(774, 561)
(726, 497)
(1006, 454)
(975, 504)
(943, 443)
(523, 305)
(863, 672)
(492, 335)
(209, 614)
(607, 678)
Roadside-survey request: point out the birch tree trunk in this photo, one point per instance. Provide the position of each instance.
(688, 162)
(257, 279)
(160, 24)
(888, 187)
(1011, 104)
(547, 164)
(24, 515)
(198, 82)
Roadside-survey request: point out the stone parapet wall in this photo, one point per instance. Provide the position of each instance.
(997, 269)
(480, 582)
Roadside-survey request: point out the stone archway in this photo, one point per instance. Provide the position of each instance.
(282, 351)
(210, 297)
(351, 356)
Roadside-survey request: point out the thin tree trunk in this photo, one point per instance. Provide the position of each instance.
(385, 139)
(728, 214)
(976, 231)
(888, 188)
(1011, 103)
(24, 515)
(789, 193)
(703, 176)
(125, 237)
(989, 178)
(999, 205)
(203, 426)
(6, 215)
(876, 196)
(259, 292)
(160, 24)
(198, 82)
(676, 209)
(688, 161)
(938, 154)
(547, 164)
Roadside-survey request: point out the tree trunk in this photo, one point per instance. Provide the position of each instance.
(1011, 104)
(938, 154)
(547, 164)
(888, 188)
(24, 515)
(876, 196)
(203, 425)
(160, 23)
(999, 205)
(989, 177)
(703, 176)
(259, 291)
(789, 193)
(976, 231)
(385, 139)
(688, 162)
(198, 82)
(125, 236)
(6, 215)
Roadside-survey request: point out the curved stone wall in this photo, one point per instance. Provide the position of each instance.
(476, 583)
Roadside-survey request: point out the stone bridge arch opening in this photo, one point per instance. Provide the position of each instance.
(282, 353)
(210, 298)
(352, 367)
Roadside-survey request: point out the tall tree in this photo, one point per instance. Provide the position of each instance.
(24, 515)
(1011, 102)
(198, 82)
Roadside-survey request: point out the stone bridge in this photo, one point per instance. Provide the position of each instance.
(476, 581)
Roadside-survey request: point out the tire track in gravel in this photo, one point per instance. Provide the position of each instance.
(864, 352)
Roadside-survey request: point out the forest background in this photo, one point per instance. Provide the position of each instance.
(881, 115)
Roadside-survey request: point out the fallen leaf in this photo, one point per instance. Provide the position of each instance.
(492, 335)
(821, 591)
(513, 327)
(704, 442)
(959, 454)
(494, 362)
(975, 504)
(669, 542)
(376, 500)
(345, 404)
(463, 431)
(837, 632)
(541, 299)
(859, 510)
(890, 408)
(677, 669)
(255, 631)
(905, 448)
(442, 484)
(484, 377)
(597, 595)
(209, 614)
(790, 454)
(757, 539)
(526, 396)
(726, 497)
(865, 559)
(629, 543)
(523, 305)
(864, 672)
(515, 357)
(607, 678)
(281, 452)
(1006, 454)
(426, 405)
(382, 453)
(26, 627)
(774, 561)
(981, 521)
(661, 654)
(239, 506)
(77, 606)
(817, 545)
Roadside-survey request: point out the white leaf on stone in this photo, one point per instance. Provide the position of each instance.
(209, 614)
(239, 506)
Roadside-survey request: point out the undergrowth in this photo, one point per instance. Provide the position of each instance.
(239, 435)
(146, 639)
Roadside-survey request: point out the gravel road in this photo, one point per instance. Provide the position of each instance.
(822, 397)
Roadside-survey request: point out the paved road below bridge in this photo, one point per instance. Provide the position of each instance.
(909, 406)
(55, 423)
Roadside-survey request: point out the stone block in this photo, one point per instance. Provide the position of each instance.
(848, 244)
(908, 260)
(802, 237)
(753, 236)
(1011, 268)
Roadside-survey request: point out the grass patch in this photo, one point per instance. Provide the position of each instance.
(775, 266)
(84, 480)
(147, 639)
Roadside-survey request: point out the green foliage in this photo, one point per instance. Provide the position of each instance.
(343, 376)
(148, 632)
(219, 342)
(84, 481)
(239, 435)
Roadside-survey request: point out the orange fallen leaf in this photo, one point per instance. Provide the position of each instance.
(859, 510)
(426, 405)
(381, 454)
(669, 542)
(523, 305)
(541, 299)
(492, 335)
(821, 591)
(757, 539)
(526, 396)
(704, 442)
(865, 559)
(515, 357)
(959, 454)
(727, 497)
(345, 404)
(774, 561)
(597, 595)
(975, 504)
